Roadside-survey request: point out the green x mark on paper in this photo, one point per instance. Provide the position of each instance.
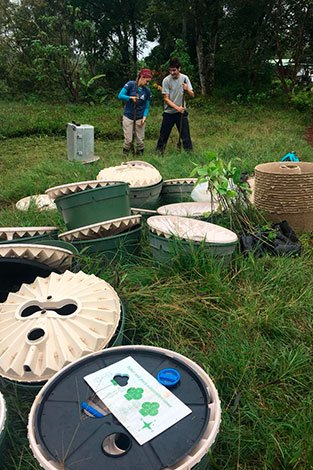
(147, 426)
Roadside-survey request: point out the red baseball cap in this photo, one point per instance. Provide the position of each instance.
(145, 73)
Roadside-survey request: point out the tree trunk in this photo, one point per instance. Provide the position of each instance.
(201, 59)
(211, 54)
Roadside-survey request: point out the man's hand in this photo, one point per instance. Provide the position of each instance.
(143, 120)
(185, 86)
(180, 109)
(134, 98)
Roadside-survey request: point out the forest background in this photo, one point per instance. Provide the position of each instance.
(85, 50)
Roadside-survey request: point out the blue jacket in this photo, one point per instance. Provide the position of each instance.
(143, 104)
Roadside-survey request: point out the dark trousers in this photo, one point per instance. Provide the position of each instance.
(168, 122)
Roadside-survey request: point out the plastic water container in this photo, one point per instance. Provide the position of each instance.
(58, 422)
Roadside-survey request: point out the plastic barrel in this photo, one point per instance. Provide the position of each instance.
(94, 205)
(125, 242)
(176, 191)
(17, 271)
(146, 197)
(58, 423)
(163, 248)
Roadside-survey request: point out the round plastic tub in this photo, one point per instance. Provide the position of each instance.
(94, 205)
(62, 435)
(177, 190)
(163, 249)
(146, 197)
(168, 233)
(284, 191)
(125, 242)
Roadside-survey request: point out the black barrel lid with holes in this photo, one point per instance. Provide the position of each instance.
(66, 435)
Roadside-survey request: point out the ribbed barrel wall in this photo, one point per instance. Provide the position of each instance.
(284, 191)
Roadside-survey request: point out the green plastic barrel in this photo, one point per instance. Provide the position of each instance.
(163, 248)
(35, 239)
(123, 243)
(94, 205)
(172, 193)
(147, 197)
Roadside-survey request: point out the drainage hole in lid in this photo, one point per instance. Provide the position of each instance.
(36, 334)
(116, 445)
(66, 309)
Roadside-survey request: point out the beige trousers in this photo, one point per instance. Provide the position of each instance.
(128, 133)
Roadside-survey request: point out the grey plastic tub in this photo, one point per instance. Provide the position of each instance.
(163, 249)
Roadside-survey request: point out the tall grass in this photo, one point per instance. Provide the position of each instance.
(248, 324)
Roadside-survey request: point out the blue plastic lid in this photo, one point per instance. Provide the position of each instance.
(168, 377)
(290, 157)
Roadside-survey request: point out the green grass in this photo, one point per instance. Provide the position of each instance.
(249, 325)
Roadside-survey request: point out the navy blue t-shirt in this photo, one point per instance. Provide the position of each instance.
(144, 96)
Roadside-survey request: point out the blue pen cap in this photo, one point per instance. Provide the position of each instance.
(168, 377)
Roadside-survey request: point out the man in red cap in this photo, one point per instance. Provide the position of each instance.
(137, 96)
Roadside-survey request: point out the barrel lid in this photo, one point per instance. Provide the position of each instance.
(41, 201)
(103, 229)
(282, 169)
(59, 429)
(12, 233)
(52, 256)
(137, 174)
(190, 229)
(188, 209)
(179, 181)
(52, 322)
(69, 188)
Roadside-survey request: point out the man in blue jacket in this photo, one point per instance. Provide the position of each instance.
(174, 87)
(137, 96)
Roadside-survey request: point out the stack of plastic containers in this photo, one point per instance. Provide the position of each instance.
(89, 208)
(145, 182)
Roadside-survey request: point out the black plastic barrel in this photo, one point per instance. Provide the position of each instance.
(62, 434)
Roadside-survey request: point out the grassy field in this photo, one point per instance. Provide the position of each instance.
(248, 325)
